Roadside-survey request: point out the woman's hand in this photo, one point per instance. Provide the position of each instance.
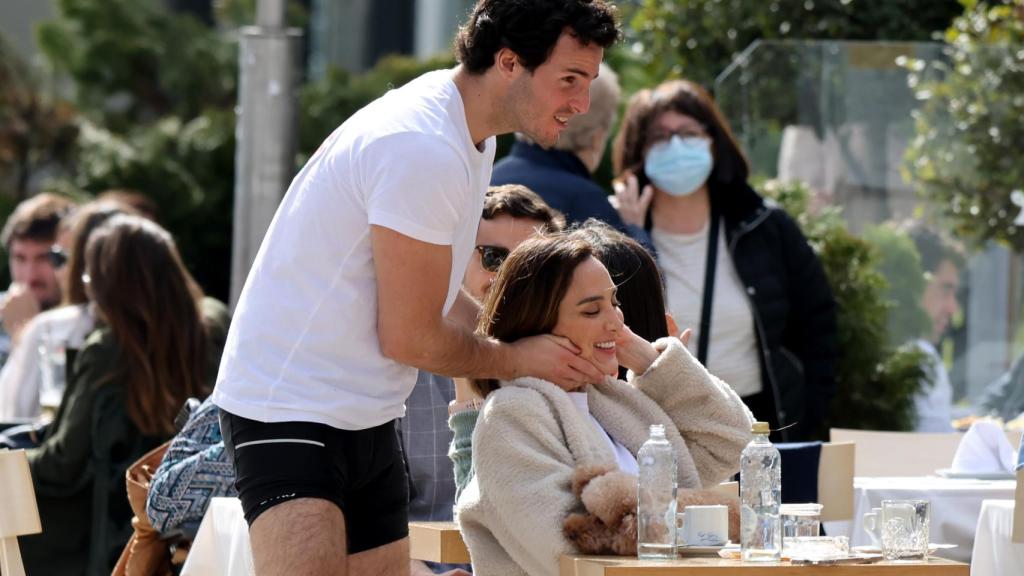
(673, 329)
(630, 202)
(634, 352)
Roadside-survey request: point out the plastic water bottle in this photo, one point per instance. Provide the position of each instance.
(760, 495)
(656, 497)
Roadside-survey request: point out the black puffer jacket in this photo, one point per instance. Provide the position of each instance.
(794, 312)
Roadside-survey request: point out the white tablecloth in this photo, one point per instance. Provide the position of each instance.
(222, 544)
(955, 507)
(994, 554)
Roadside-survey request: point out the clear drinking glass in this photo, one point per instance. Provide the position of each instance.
(799, 520)
(905, 529)
(53, 369)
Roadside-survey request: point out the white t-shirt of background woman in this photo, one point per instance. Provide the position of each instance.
(732, 350)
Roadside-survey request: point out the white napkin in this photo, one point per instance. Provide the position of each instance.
(984, 448)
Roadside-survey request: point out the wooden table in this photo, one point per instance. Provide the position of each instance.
(442, 542)
(437, 542)
(576, 565)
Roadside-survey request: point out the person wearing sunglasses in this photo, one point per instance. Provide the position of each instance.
(510, 214)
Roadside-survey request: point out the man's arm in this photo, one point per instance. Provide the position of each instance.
(412, 284)
(465, 311)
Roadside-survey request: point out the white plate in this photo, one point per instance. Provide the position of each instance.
(950, 473)
(932, 548)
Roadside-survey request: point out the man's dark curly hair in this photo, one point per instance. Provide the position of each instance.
(530, 28)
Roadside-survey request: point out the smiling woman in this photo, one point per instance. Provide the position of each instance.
(535, 445)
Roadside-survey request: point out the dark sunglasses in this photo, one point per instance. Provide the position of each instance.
(491, 257)
(57, 256)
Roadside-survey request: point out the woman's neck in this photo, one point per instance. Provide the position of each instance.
(681, 214)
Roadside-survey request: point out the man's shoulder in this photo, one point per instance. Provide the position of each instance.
(423, 108)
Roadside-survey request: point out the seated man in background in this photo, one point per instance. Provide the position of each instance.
(28, 236)
(942, 262)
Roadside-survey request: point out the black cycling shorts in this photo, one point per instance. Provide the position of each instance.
(361, 471)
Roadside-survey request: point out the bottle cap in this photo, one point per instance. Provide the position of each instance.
(760, 428)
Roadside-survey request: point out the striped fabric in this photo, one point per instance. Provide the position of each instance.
(195, 469)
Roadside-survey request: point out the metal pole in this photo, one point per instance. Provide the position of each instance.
(266, 131)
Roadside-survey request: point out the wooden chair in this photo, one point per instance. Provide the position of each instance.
(881, 453)
(832, 481)
(19, 515)
(835, 480)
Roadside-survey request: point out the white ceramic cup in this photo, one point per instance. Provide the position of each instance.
(873, 526)
(706, 525)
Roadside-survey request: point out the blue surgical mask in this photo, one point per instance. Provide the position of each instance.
(680, 166)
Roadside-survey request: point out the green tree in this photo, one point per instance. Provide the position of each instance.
(970, 128)
(36, 131)
(700, 38)
(134, 62)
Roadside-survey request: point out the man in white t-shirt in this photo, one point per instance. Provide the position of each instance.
(357, 284)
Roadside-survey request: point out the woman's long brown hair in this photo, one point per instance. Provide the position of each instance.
(152, 306)
(530, 285)
(82, 222)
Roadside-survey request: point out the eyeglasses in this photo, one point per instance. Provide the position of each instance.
(659, 135)
(57, 256)
(491, 257)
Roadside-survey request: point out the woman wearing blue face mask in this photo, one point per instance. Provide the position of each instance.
(737, 268)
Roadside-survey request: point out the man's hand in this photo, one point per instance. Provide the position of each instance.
(18, 307)
(555, 359)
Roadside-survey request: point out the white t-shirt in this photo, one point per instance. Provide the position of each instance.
(303, 341)
(934, 402)
(20, 380)
(732, 350)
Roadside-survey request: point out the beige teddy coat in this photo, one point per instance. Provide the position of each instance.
(530, 437)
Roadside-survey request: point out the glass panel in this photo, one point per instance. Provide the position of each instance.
(854, 121)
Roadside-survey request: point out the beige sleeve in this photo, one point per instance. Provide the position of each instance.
(512, 512)
(711, 417)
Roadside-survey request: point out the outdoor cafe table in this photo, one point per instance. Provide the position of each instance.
(442, 542)
(222, 547)
(995, 554)
(697, 566)
(955, 507)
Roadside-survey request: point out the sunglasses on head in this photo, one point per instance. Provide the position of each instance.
(58, 257)
(491, 257)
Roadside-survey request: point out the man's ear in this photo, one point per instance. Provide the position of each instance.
(507, 62)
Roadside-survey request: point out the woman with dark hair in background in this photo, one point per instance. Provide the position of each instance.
(738, 270)
(534, 440)
(157, 344)
(61, 328)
